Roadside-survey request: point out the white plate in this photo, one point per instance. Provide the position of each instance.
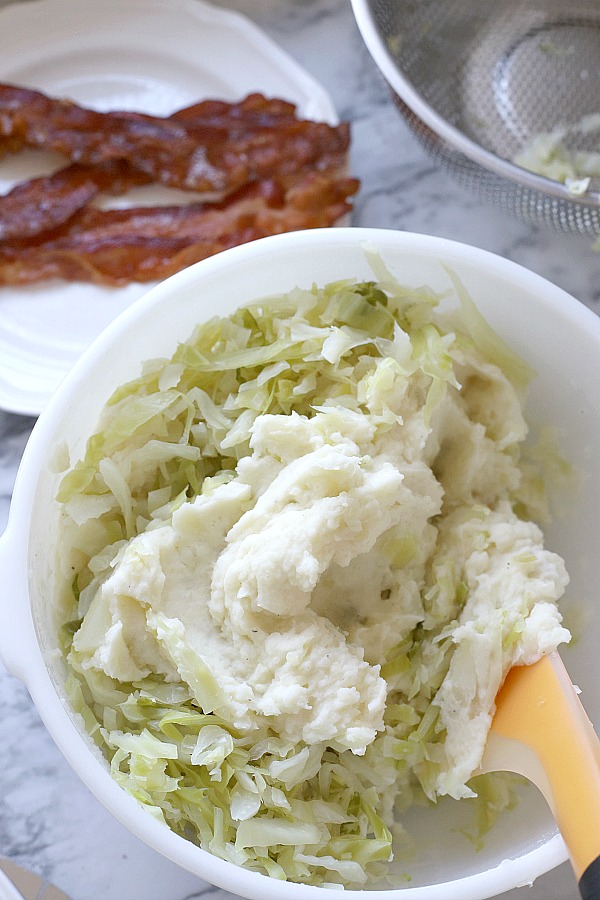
(154, 56)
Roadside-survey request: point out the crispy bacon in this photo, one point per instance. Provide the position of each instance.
(271, 171)
(42, 204)
(116, 246)
(254, 110)
(199, 149)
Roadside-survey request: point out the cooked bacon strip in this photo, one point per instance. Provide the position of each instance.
(188, 152)
(254, 110)
(116, 246)
(42, 204)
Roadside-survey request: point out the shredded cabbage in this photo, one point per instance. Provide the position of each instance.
(563, 155)
(307, 813)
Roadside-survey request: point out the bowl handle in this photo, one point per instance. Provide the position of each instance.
(14, 610)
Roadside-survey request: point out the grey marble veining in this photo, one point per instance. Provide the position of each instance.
(48, 820)
(14, 432)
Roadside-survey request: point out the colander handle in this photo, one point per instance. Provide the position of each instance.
(15, 621)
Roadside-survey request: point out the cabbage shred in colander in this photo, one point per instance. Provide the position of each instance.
(478, 80)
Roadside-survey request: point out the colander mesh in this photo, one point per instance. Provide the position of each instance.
(502, 72)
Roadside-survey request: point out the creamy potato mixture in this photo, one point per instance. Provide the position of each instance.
(305, 561)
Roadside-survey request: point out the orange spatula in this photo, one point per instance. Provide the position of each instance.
(540, 730)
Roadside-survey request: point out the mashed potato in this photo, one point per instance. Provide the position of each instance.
(304, 566)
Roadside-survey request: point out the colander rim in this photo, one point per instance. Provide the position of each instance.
(403, 88)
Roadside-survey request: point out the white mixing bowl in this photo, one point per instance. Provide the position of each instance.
(557, 336)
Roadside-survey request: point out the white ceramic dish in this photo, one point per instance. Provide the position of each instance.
(559, 337)
(7, 889)
(146, 55)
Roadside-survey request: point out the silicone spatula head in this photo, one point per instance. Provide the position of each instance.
(540, 730)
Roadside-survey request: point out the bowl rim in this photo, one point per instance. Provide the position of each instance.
(29, 665)
(443, 130)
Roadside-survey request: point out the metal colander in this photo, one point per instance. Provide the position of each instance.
(479, 80)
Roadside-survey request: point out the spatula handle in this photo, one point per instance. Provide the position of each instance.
(589, 883)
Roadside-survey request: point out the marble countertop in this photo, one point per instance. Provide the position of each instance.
(48, 820)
